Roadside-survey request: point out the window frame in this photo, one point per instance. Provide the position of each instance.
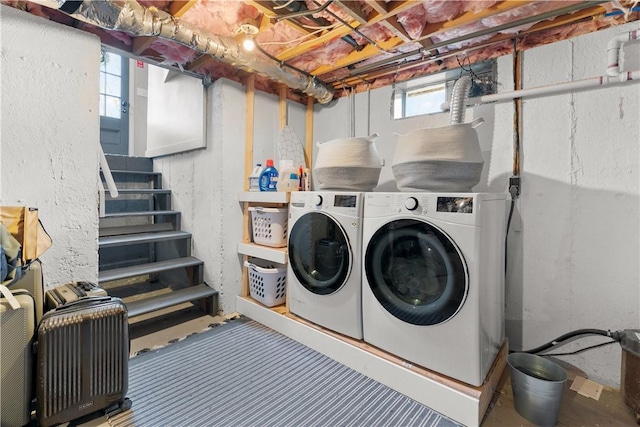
(484, 77)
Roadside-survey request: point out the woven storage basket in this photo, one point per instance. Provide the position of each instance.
(269, 226)
(267, 282)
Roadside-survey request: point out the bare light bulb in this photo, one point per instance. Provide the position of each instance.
(248, 44)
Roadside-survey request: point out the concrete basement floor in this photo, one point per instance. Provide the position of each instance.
(153, 331)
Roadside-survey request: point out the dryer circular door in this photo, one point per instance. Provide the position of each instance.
(416, 272)
(319, 253)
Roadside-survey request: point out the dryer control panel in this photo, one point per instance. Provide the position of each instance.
(462, 208)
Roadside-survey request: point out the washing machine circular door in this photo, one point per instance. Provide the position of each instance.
(416, 272)
(319, 253)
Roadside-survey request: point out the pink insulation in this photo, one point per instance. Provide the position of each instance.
(280, 37)
(433, 11)
(109, 36)
(499, 19)
(223, 18)
(376, 32)
(220, 17)
(523, 12)
(322, 56)
(173, 53)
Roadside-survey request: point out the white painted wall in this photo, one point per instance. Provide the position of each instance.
(175, 112)
(574, 244)
(138, 92)
(205, 183)
(50, 136)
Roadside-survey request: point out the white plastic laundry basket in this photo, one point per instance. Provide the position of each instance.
(267, 282)
(269, 226)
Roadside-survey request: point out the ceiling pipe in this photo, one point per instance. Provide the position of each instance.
(131, 17)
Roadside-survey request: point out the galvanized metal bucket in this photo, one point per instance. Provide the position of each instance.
(538, 385)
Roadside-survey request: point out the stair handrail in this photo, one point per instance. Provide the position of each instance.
(106, 172)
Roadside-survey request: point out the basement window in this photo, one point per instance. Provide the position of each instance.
(425, 95)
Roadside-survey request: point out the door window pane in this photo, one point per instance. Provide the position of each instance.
(113, 107)
(113, 85)
(113, 63)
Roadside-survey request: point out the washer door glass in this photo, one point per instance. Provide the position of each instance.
(416, 272)
(319, 253)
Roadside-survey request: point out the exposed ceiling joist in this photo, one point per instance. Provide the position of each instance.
(272, 15)
(377, 56)
(471, 17)
(179, 8)
(353, 9)
(393, 9)
(378, 5)
(354, 57)
(140, 44)
(396, 28)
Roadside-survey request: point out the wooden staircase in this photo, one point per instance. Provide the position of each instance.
(145, 258)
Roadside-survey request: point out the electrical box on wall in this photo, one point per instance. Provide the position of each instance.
(630, 56)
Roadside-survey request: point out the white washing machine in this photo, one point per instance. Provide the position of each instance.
(433, 281)
(324, 270)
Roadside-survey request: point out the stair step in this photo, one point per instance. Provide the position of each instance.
(141, 173)
(132, 239)
(120, 162)
(137, 308)
(143, 191)
(135, 229)
(152, 267)
(139, 213)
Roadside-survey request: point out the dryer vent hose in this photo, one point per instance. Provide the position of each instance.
(459, 98)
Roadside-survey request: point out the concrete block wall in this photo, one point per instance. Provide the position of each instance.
(574, 242)
(49, 114)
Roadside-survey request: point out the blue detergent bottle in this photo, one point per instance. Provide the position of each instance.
(269, 177)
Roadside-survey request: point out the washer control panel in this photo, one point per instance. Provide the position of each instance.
(335, 201)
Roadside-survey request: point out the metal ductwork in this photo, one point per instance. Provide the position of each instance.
(130, 17)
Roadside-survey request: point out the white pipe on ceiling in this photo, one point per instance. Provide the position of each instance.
(613, 76)
(631, 76)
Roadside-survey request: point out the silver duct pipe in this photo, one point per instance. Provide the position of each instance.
(130, 17)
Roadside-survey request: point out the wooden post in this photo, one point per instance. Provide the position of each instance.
(282, 92)
(308, 152)
(248, 168)
(248, 138)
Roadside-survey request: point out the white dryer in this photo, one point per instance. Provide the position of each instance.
(324, 270)
(433, 282)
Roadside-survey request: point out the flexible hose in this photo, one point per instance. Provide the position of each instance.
(459, 97)
(559, 341)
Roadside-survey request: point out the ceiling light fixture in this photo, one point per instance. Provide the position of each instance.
(247, 30)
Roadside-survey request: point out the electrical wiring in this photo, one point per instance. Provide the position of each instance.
(564, 339)
(294, 40)
(282, 63)
(283, 5)
(591, 347)
(506, 235)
